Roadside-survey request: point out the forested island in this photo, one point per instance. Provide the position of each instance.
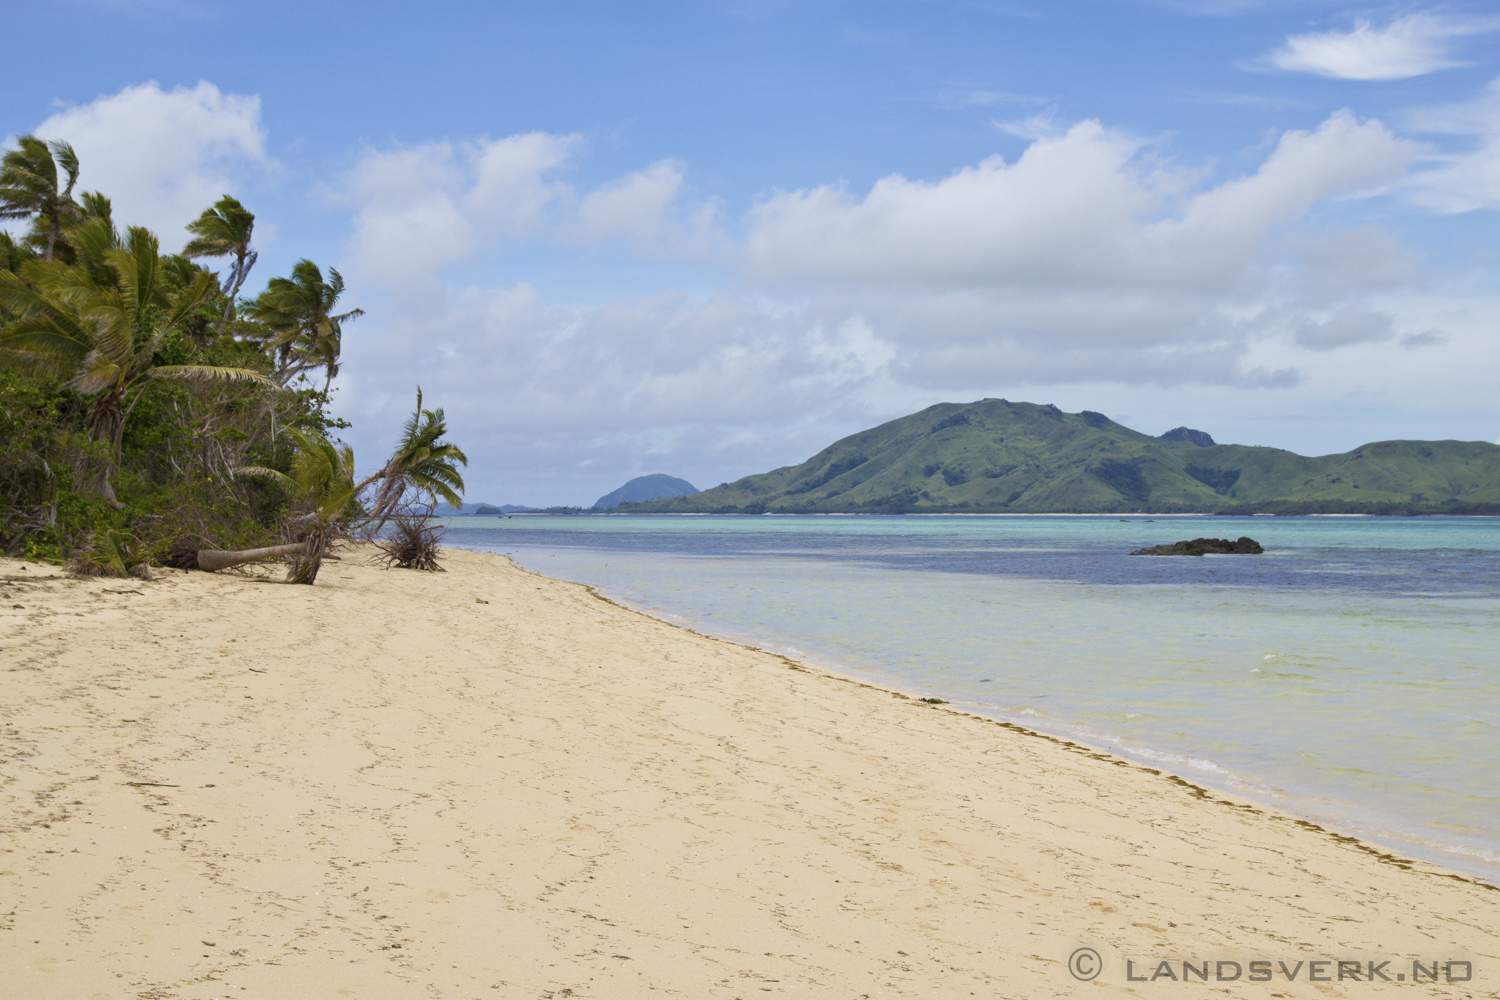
(996, 456)
(152, 411)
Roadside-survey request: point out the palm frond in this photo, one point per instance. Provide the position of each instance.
(28, 363)
(205, 373)
(97, 374)
(107, 324)
(221, 230)
(39, 337)
(449, 488)
(191, 298)
(63, 156)
(138, 264)
(25, 299)
(260, 470)
(96, 206)
(409, 429)
(323, 472)
(90, 242)
(53, 277)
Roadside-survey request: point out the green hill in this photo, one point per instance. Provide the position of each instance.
(643, 488)
(995, 456)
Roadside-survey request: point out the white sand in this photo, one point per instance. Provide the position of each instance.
(382, 787)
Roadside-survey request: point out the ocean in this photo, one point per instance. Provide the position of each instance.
(1350, 675)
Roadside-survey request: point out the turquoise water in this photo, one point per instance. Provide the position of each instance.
(1348, 675)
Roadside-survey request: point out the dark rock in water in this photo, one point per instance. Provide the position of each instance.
(1204, 546)
(1200, 438)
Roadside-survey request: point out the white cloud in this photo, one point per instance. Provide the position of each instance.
(645, 209)
(421, 208)
(510, 194)
(164, 156)
(635, 206)
(1052, 212)
(1331, 266)
(982, 97)
(1470, 179)
(1082, 209)
(1042, 125)
(1349, 325)
(1409, 46)
(1085, 258)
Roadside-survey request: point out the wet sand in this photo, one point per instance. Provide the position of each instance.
(486, 783)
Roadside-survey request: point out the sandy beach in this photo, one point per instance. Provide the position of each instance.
(487, 783)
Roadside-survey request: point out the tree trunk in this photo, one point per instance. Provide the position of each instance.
(216, 559)
(369, 479)
(234, 288)
(104, 422)
(240, 272)
(385, 498)
(306, 569)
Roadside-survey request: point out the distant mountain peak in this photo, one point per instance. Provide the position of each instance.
(1200, 438)
(643, 488)
(994, 456)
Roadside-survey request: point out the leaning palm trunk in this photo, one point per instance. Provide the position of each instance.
(323, 474)
(308, 558)
(96, 467)
(422, 461)
(215, 559)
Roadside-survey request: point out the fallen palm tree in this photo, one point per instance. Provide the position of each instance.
(185, 556)
(323, 476)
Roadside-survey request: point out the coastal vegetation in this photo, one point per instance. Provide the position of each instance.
(996, 456)
(153, 412)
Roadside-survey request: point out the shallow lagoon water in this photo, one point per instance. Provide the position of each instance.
(1351, 674)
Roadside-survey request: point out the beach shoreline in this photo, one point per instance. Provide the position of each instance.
(491, 783)
(1211, 778)
(866, 650)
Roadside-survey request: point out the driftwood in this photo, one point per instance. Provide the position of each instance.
(412, 539)
(217, 559)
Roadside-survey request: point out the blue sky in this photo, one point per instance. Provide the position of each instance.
(708, 238)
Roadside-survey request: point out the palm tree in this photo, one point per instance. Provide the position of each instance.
(94, 205)
(13, 254)
(212, 560)
(99, 323)
(322, 475)
(89, 245)
(224, 231)
(29, 186)
(299, 311)
(421, 459)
